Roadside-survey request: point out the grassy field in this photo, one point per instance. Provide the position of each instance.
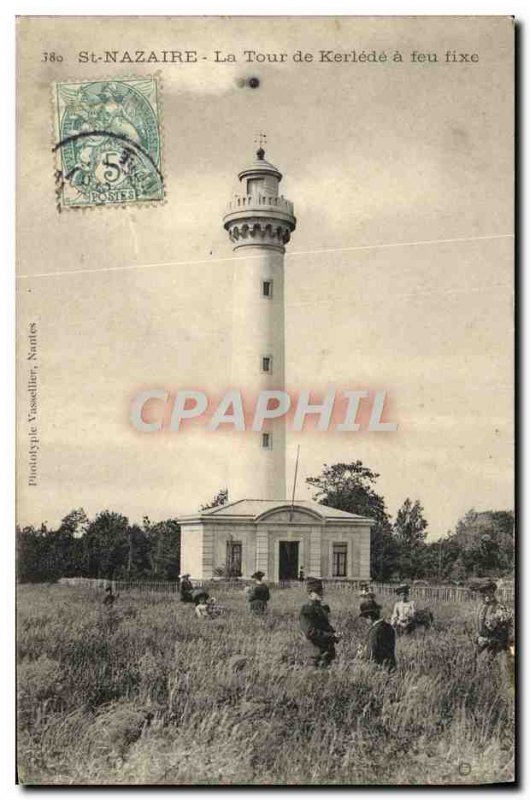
(144, 693)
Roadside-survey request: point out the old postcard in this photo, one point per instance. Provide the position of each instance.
(265, 290)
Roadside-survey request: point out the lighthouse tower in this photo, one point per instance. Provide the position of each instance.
(259, 529)
(259, 222)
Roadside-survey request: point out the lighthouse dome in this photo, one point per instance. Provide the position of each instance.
(260, 167)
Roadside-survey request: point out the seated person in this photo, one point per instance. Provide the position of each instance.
(200, 601)
(186, 588)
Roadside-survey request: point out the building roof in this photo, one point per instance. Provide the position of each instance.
(252, 509)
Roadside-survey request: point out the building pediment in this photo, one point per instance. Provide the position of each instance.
(290, 515)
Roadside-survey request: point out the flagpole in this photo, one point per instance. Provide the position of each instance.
(294, 483)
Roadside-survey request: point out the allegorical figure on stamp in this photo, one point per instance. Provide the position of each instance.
(108, 142)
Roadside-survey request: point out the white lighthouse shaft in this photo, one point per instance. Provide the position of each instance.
(259, 223)
(257, 364)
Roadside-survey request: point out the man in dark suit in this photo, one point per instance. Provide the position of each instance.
(381, 643)
(314, 621)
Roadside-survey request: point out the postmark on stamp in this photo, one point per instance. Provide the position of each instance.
(107, 143)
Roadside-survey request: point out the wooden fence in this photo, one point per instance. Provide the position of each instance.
(447, 594)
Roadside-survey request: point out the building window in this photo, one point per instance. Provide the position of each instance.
(234, 558)
(266, 441)
(266, 363)
(340, 554)
(267, 288)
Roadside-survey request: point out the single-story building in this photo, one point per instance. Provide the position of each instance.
(278, 538)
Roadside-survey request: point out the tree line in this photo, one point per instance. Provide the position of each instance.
(481, 543)
(108, 546)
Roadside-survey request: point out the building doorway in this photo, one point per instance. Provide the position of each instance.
(288, 561)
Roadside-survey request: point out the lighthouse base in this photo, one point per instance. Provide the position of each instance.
(278, 538)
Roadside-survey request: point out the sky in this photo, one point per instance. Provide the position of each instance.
(399, 275)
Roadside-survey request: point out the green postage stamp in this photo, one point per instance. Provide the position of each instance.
(107, 143)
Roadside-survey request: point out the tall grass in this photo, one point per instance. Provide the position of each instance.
(145, 693)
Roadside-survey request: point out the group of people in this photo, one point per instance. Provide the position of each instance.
(206, 607)
(494, 623)
(321, 637)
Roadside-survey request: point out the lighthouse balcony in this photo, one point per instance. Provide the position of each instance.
(260, 202)
(252, 212)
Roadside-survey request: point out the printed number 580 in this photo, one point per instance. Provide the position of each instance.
(52, 57)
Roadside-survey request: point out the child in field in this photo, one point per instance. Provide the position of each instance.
(206, 607)
(200, 601)
(365, 592)
(214, 609)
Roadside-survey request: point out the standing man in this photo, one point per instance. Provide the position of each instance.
(301, 575)
(381, 643)
(494, 623)
(314, 621)
(258, 595)
(404, 612)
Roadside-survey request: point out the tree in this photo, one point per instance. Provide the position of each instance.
(164, 539)
(410, 530)
(74, 523)
(35, 561)
(66, 544)
(107, 545)
(349, 487)
(220, 499)
(139, 553)
(485, 541)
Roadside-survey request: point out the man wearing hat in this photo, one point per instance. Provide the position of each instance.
(402, 619)
(314, 621)
(186, 588)
(258, 595)
(381, 643)
(494, 622)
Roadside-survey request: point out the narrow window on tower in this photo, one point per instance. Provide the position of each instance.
(267, 289)
(266, 363)
(266, 441)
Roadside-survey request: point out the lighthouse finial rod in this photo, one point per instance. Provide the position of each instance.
(261, 139)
